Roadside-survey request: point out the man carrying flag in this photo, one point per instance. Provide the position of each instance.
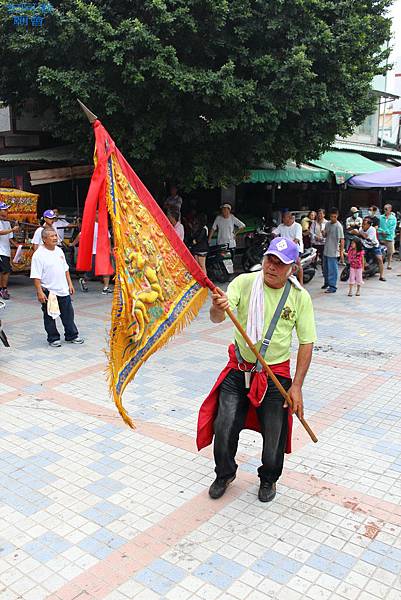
(269, 304)
(159, 289)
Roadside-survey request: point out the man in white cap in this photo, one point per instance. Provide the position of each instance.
(227, 227)
(6, 235)
(269, 304)
(354, 221)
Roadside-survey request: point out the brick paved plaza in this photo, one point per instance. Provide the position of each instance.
(90, 509)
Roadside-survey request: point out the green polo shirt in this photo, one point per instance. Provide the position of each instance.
(387, 227)
(297, 313)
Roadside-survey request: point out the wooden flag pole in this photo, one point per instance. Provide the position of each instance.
(266, 367)
(92, 118)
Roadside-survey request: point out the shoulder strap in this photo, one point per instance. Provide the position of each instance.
(273, 323)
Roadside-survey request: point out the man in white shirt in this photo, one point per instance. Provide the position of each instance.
(50, 218)
(50, 274)
(227, 227)
(60, 224)
(6, 236)
(354, 221)
(290, 230)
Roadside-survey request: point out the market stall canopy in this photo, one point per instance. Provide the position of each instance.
(290, 174)
(380, 179)
(67, 154)
(43, 176)
(346, 164)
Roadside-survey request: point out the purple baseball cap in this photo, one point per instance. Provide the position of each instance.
(286, 250)
(50, 214)
(4, 206)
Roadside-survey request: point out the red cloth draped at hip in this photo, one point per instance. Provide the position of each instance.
(259, 384)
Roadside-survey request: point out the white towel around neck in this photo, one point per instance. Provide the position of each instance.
(256, 311)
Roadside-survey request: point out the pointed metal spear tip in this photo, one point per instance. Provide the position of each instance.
(91, 117)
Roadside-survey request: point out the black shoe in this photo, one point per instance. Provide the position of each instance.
(267, 491)
(324, 287)
(219, 486)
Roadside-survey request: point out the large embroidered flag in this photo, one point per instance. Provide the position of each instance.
(159, 287)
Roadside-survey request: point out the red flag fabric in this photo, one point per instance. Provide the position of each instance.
(159, 287)
(96, 202)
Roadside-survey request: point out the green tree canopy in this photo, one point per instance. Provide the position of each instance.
(200, 90)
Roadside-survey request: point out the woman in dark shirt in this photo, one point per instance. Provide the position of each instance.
(199, 240)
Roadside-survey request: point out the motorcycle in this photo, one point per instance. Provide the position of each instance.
(308, 263)
(258, 242)
(371, 266)
(219, 264)
(3, 336)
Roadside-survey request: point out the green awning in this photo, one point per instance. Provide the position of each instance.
(346, 164)
(290, 174)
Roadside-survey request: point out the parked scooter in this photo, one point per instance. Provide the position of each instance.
(258, 242)
(3, 336)
(309, 264)
(219, 264)
(371, 266)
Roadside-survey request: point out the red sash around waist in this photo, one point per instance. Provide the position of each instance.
(259, 384)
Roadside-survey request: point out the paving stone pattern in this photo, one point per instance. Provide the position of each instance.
(90, 509)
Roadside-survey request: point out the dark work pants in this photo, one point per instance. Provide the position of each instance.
(232, 411)
(67, 319)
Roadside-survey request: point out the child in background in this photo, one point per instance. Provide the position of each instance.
(356, 262)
